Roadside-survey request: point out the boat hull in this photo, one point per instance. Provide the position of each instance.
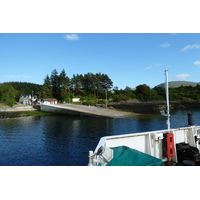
(152, 143)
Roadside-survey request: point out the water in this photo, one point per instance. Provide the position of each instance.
(66, 140)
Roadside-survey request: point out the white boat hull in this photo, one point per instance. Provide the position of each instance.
(151, 143)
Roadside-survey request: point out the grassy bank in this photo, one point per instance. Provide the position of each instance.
(33, 113)
(4, 115)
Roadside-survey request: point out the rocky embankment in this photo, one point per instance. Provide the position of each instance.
(153, 107)
(8, 112)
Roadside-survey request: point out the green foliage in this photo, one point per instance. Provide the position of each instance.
(89, 103)
(89, 87)
(8, 95)
(101, 102)
(24, 88)
(33, 113)
(160, 93)
(145, 93)
(47, 89)
(123, 95)
(55, 83)
(185, 93)
(60, 86)
(64, 82)
(87, 98)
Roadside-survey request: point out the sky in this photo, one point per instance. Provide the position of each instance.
(129, 59)
(131, 41)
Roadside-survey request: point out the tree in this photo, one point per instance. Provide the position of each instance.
(47, 89)
(144, 93)
(64, 86)
(55, 82)
(8, 95)
(161, 93)
(24, 88)
(76, 83)
(88, 85)
(104, 83)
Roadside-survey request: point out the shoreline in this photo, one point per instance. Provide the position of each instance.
(25, 111)
(154, 107)
(127, 109)
(20, 111)
(82, 110)
(9, 115)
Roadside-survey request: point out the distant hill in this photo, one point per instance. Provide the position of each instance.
(25, 88)
(176, 84)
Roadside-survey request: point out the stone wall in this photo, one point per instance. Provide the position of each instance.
(153, 107)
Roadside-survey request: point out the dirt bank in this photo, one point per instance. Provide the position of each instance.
(16, 111)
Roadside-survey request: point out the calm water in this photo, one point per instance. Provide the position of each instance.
(66, 140)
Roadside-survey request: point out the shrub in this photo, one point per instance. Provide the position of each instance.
(121, 97)
(101, 102)
(89, 103)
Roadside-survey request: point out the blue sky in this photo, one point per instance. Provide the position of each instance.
(129, 59)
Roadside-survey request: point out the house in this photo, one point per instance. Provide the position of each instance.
(25, 99)
(49, 101)
(75, 99)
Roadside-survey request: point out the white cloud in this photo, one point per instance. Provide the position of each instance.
(165, 45)
(149, 67)
(17, 76)
(197, 63)
(189, 47)
(72, 37)
(182, 76)
(152, 66)
(25, 76)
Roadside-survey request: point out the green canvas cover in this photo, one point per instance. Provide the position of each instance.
(125, 156)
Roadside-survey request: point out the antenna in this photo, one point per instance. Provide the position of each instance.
(167, 99)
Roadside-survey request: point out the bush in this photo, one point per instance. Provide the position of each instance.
(121, 97)
(89, 103)
(101, 102)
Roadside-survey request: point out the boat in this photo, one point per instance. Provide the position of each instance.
(168, 147)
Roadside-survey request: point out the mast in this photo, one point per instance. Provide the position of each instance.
(167, 99)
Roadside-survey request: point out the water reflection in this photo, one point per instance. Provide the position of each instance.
(71, 135)
(66, 140)
(150, 123)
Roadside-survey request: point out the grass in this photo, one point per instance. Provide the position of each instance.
(2, 105)
(33, 113)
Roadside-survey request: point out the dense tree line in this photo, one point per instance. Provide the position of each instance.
(140, 93)
(89, 85)
(92, 86)
(144, 93)
(24, 87)
(10, 92)
(185, 93)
